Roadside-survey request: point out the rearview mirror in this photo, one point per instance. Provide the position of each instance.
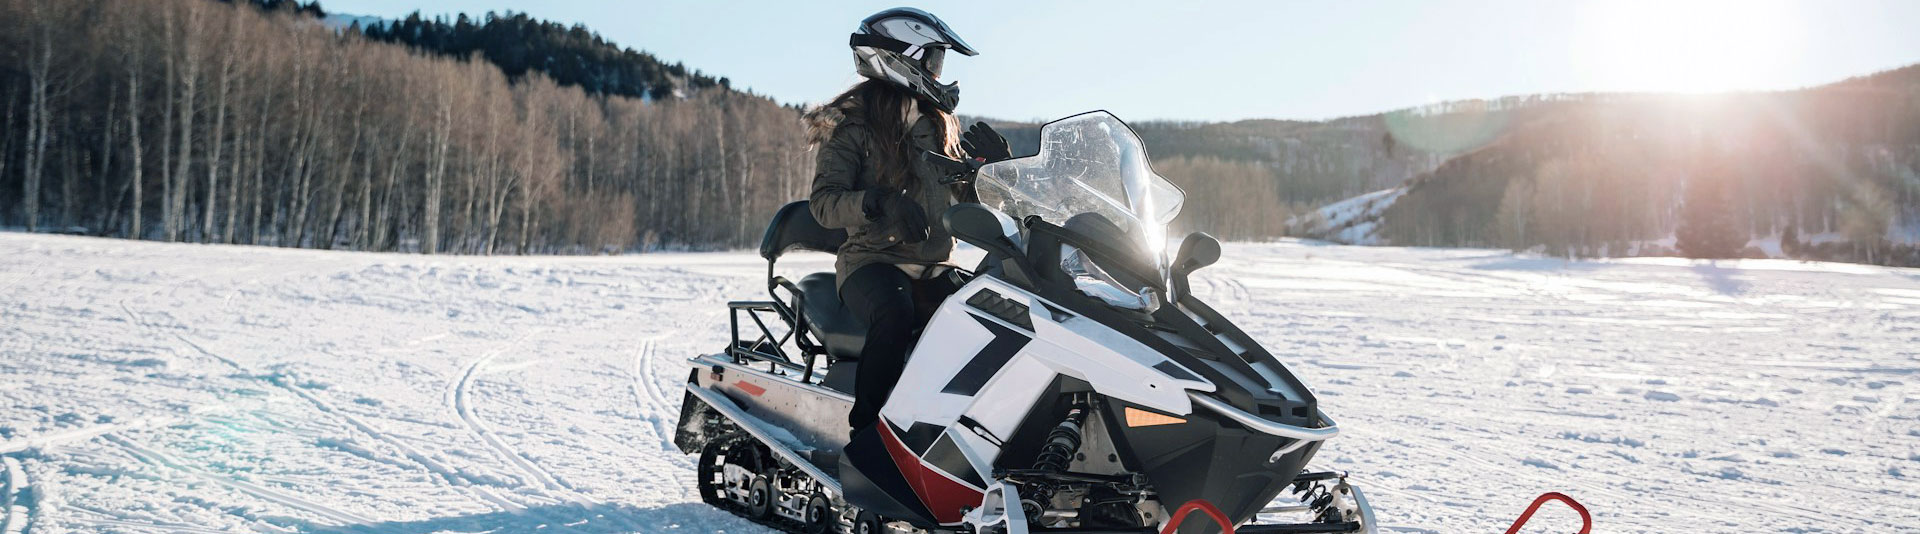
(1196, 251)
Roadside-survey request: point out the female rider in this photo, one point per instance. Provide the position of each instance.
(871, 179)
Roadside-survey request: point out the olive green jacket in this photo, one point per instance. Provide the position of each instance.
(841, 177)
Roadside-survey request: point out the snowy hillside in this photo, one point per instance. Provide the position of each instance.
(1354, 221)
(178, 388)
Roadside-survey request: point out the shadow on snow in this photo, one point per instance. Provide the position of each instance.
(559, 519)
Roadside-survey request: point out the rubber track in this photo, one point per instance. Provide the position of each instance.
(774, 521)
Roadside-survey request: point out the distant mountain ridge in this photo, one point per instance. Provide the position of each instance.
(343, 21)
(1605, 175)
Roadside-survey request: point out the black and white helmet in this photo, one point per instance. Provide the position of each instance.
(907, 47)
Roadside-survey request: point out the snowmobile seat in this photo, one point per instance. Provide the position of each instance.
(793, 227)
(830, 320)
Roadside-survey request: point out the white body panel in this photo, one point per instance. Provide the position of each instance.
(961, 335)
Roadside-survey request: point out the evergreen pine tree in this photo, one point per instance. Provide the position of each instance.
(1707, 229)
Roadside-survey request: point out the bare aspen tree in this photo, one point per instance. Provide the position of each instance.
(344, 166)
(257, 185)
(442, 140)
(208, 230)
(169, 67)
(39, 117)
(228, 232)
(6, 137)
(134, 147)
(104, 215)
(383, 221)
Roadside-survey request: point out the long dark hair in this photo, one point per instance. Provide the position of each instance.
(884, 107)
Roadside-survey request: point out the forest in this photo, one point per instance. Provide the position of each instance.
(214, 122)
(571, 56)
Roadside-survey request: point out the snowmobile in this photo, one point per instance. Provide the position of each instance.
(1073, 384)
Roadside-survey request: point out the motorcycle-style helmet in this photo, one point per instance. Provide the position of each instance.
(907, 47)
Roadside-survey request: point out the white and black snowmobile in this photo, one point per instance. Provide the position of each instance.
(1073, 384)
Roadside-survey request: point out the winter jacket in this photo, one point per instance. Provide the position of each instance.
(842, 140)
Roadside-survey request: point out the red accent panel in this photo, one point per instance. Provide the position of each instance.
(943, 496)
(750, 388)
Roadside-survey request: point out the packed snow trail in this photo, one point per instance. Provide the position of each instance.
(149, 387)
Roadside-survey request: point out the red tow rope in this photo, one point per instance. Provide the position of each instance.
(1226, 527)
(1586, 521)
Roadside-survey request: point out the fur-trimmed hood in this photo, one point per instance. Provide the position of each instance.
(823, 119)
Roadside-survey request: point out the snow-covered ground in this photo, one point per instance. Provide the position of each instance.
(178, 388)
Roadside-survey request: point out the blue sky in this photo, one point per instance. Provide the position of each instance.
(1253, 59)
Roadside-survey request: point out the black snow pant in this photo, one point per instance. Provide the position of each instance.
(895, 306)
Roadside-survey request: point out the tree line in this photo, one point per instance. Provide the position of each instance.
(199, 121)
(1610, 175)
(570, 55)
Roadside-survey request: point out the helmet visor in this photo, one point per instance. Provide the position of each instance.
(933, 59)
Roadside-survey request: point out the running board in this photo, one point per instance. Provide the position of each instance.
(732, 412)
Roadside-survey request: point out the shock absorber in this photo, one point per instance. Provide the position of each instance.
(1064, 441)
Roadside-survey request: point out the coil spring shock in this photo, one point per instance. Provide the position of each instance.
(1064, 441)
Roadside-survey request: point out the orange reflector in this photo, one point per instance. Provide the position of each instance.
(1138, 417)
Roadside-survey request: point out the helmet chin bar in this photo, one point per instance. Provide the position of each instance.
(949, 97)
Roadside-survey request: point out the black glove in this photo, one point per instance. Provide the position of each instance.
(905, 215)
(982, 142)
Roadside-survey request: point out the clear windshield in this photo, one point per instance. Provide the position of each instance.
(1088, 163)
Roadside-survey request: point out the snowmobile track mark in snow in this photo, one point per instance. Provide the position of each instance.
(548, 485)
(441, 471)
(14, 514)
(82, 434)
(444, 472)
(140, 320)
(161, 459)
(141, 526)
(464, 408)
(646, 388)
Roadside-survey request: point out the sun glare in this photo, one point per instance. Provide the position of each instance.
(1686, 46)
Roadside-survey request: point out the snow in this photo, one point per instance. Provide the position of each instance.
(150, 387)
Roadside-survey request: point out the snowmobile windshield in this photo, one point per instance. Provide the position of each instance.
(1088, 163)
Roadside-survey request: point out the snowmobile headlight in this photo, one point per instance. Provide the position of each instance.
(1095, 282)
